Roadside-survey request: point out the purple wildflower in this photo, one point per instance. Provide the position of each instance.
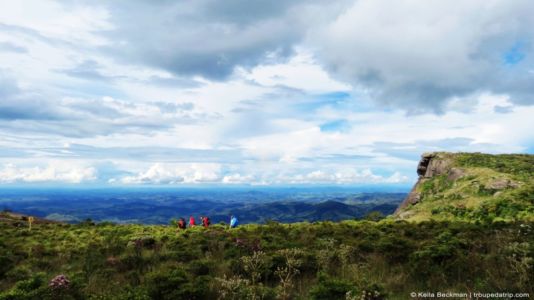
(59, 282)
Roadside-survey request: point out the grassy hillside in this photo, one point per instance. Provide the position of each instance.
(472, 187)
(384, 260)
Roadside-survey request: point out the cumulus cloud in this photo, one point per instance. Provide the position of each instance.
(237, 178)
(57, 172)
(173, 174)
(349, 176)
(156, 174)
(418, 55)
(301, 72)
(208, 37)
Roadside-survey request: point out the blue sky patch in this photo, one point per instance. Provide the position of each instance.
(335, 99)
(336, 126)
(515, 54)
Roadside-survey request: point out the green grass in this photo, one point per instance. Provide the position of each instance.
(519, 165)
(322, 260)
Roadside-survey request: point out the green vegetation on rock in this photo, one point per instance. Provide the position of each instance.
(472, 187)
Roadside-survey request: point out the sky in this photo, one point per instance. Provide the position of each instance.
(263, 93)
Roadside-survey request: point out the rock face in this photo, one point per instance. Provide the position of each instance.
(412, 198)
(423, 163)
(430, 165)
(433, 164)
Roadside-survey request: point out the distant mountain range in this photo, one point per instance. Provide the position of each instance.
(159, 207)
(288, 212)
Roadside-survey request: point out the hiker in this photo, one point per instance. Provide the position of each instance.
(191, 221)
(233, 222)
(181, 223)
(206, 221)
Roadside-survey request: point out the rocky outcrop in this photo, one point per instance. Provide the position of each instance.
(412, 198)
(501, 184)
(431, 164)
(455, 173)
(422, 167)
(468, 185)
(434, 164)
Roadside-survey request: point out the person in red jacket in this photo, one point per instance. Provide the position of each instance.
(206, 221)
(191, 221)
(181, 223)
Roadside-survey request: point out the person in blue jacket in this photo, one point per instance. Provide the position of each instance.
(233, 222)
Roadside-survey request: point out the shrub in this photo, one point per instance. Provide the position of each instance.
(199, 267)
(374, 216)
(331, 288)
(174, 284)
(32, 288)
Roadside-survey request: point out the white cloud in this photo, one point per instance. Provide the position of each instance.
(157, 174)
(300, 72)
(211, 173)
(417, 55)
(238, 179)
(174, 174)
(56, 172)
(346, 176)
(74, 24)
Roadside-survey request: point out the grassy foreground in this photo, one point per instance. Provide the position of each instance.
(347, 260)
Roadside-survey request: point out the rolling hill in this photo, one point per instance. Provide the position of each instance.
(161, 206)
